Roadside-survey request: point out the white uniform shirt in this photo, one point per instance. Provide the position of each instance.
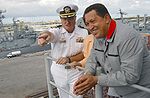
(64, 44)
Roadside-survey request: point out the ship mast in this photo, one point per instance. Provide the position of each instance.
(2, 27)
(121, 14)
(1, 18)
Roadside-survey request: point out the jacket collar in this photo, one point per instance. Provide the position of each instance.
(110, 36)
(111, 31)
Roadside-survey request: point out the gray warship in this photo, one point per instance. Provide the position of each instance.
(16, 35)
(141, 24)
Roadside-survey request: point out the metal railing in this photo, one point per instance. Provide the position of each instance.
(48, 62)
(98, 88)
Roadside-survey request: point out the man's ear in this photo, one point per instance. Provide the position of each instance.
(107, 18)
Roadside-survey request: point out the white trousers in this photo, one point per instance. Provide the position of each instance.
(65, 78)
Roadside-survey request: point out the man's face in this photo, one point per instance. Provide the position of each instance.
(96, 24)
(69, 23)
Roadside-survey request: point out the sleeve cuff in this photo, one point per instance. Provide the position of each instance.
(102, 80)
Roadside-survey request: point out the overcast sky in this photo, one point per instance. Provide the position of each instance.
(21, 8)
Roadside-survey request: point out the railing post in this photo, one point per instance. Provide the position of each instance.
(141, 88)
(98, 88)
(48, 63)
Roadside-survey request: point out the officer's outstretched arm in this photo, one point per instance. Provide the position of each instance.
(45, 37)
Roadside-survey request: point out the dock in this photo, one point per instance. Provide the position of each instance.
(23, 75)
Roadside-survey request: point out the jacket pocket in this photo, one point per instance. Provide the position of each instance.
(114, 61)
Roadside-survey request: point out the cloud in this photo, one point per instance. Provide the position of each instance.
(48, 7)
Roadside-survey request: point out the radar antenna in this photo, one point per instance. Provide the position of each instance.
(2, 17)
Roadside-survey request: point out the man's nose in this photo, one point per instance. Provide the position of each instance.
(67, 21)
(90, 26)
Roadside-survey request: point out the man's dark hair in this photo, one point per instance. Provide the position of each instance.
(100, 9)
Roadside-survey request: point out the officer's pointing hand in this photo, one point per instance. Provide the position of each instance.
(44, 37)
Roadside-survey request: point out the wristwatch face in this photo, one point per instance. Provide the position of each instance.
(67, 67)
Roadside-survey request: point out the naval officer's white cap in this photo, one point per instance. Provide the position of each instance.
(67, 11)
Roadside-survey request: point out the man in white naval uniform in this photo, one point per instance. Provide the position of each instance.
(67, 41)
